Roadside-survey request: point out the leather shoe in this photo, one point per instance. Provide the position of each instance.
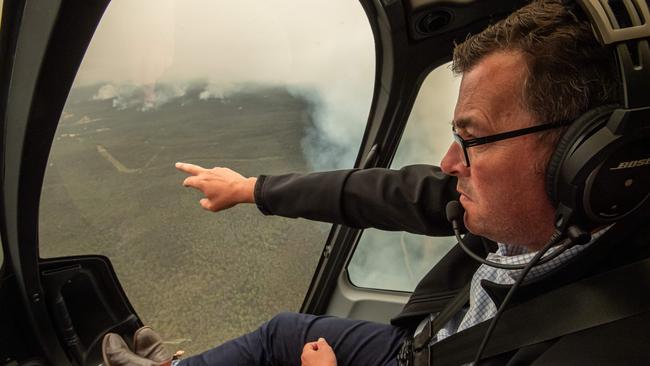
(148, 344)
(116, 353)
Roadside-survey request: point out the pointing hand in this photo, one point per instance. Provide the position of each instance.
(223, 188)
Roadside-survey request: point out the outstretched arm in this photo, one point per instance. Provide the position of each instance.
(411, 199)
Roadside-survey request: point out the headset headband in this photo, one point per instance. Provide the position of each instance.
(604, 20)
(634, 65)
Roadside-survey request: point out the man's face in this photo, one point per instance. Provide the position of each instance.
(503, 190)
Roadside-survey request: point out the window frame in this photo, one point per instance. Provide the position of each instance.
(404, 58)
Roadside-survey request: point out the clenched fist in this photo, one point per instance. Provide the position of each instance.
(318, 353)
(223, 188)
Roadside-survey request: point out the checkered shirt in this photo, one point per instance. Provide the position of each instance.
(481, 307)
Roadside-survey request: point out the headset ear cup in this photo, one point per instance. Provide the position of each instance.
(575, 130)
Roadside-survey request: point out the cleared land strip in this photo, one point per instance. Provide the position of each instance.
(116, 163)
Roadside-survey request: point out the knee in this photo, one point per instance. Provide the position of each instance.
(288, 325)
(282, 320)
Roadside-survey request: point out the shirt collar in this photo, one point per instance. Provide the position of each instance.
(512, 254)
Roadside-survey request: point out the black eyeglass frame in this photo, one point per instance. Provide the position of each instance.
(465, 144)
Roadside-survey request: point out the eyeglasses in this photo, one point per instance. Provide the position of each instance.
(465, 144)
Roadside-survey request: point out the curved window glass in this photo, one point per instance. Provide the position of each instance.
(260, 87)
(398, 260)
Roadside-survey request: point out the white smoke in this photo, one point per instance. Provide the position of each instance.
(141, 97)
(332, 142)
(219, 91)
(105, 92)
(158, 95)
(123, 96)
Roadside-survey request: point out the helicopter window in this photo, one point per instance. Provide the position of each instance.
(250, 85)
(425, 141)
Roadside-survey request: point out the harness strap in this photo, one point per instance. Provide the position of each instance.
(422, 340)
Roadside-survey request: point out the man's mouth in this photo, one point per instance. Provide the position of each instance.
(463, 194)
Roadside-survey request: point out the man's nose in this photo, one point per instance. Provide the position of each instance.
(452, 163)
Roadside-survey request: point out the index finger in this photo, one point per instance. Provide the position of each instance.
(189, 168)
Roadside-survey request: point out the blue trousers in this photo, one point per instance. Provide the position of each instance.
(279, 342)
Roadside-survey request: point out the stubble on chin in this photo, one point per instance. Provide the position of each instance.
(489, 225)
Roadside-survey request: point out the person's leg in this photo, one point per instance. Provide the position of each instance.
(280, 342)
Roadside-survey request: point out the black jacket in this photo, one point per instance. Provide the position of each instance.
(413, 199)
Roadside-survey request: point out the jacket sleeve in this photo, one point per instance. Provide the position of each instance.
(411, 199)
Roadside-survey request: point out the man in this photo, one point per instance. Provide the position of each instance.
(541, 65)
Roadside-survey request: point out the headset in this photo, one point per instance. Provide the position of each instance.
(599, 172)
